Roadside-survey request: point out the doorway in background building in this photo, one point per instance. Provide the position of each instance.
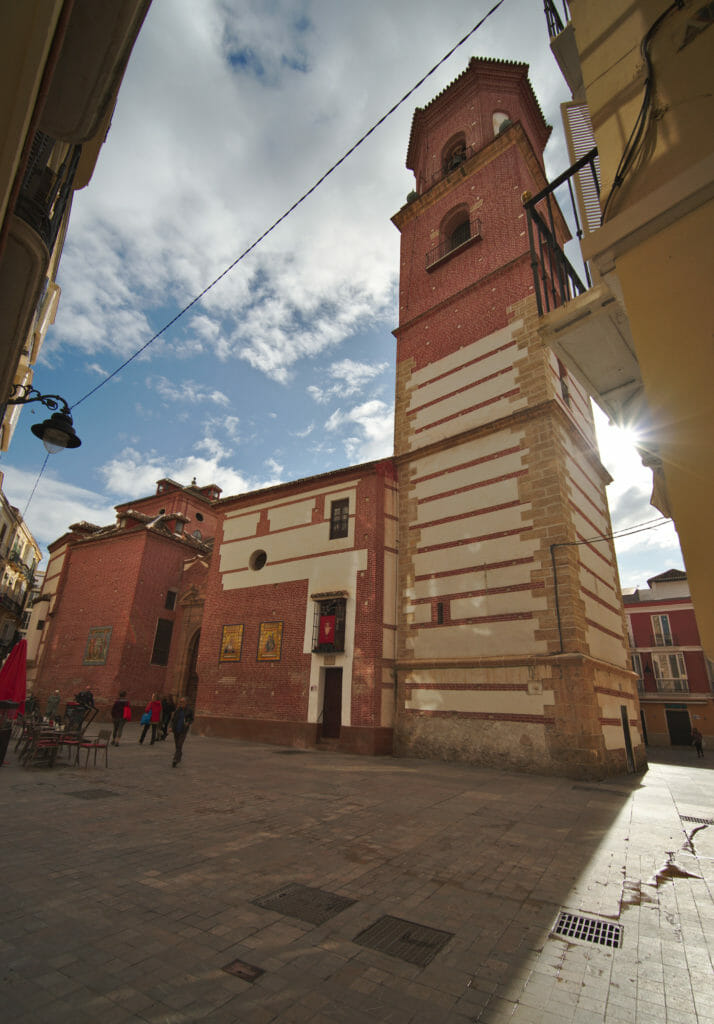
(680, 728)
(332, 704)
(191, 685)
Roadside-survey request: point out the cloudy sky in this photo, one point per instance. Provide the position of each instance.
(229, 112)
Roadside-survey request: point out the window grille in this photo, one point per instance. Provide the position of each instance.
(328, 630)
(339, 518)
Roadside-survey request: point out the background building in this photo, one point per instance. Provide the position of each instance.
(109, 605)
(19, 557)
(61, 65)
(674, 675)
(640, 339)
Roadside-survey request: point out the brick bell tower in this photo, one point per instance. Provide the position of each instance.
(510, 650)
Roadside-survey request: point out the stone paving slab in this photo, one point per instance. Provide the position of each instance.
(127, 890)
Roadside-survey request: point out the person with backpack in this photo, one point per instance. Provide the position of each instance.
(121, 713)
(151, 717)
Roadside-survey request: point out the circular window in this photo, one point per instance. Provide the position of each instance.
(258, 560)
(199, 516)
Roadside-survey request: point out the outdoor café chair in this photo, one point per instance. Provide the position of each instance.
(99, 742)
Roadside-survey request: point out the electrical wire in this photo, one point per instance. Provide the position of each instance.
(634, 143)
(626, 531)
(294, 206)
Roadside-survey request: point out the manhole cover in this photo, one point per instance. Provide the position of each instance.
(243, 970)
(415, 943)
(588, 929)
(291, 751)
(697, 821)
(92, 794)
(312, 905)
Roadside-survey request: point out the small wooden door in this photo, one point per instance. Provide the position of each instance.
(332, 703)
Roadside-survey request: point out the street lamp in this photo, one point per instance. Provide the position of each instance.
(57, 432)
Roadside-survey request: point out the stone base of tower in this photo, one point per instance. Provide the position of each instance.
(563, 715)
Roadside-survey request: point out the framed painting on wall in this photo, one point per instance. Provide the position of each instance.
(97, 647)
(270, 641)
(231, 643)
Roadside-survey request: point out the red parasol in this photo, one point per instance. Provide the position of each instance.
(13, 676)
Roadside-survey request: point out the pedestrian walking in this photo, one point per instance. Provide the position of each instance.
(180, 723)
(168, 706)
(151, 717)
(121, 713)
(698, 742)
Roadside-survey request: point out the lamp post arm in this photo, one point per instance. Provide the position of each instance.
(22, 394)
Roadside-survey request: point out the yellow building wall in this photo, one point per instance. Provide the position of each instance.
(658, 234)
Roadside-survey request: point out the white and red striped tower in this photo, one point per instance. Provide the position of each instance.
(511, 645)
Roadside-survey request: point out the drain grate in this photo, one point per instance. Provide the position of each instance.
(697, 821)
(243, 970)
(92, 794)
(415, 943)
(588, 929)
(312, 905)
(291, 751)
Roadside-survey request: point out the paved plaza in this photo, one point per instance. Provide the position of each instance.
(254, 884)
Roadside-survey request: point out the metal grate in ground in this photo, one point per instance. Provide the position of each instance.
(415, 943)
(697, 821)
(306, 904)
(243, 970)
(92, 794)
(588, 929)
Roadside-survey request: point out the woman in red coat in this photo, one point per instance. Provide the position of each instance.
(153, 710)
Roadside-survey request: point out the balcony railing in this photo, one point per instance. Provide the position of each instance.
(554, 278)
(11, 600)
(45, 192)
(665, 641)
(672, 686)
(556, 24)
(448, 247)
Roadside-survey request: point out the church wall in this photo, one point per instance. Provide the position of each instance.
(282, 700)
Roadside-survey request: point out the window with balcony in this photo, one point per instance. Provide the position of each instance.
(458, 229)
(661, 631)
(339, 518)
(328, 631)
(670, 672)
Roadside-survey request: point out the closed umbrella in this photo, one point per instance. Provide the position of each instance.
(13, 675)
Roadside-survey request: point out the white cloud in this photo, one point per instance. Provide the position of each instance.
(188, 391)
(55, 504)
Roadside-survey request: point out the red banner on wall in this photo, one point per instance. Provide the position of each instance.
(327, 629)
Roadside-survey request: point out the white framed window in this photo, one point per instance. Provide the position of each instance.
(661, 631)
(670, 672)
(637, 667)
